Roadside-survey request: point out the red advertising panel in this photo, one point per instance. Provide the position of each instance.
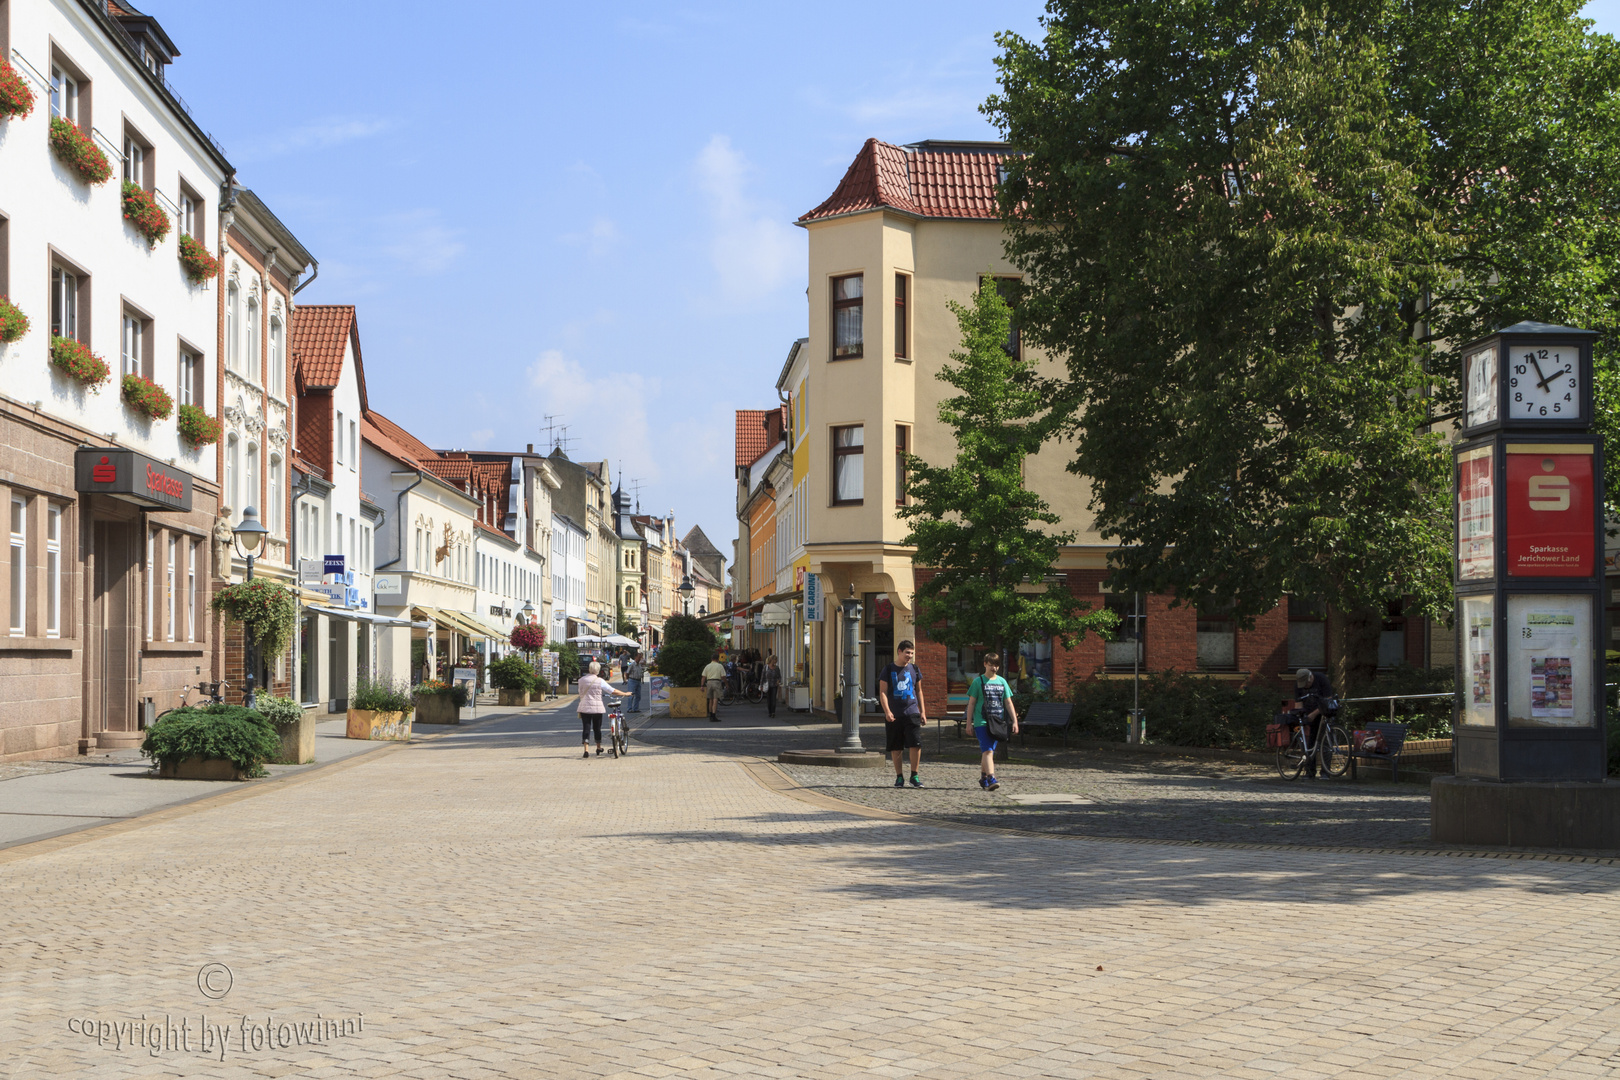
(1550, 530)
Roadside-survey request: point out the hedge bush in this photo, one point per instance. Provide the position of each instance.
(278, 710)
(1182, 709)
(1426, 719)
(511, 672)
(242, 736)
(684, 661)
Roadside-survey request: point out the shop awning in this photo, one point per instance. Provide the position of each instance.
(490, 630)
(364, 616)
(753, 605)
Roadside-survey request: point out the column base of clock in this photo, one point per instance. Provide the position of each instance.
(1567, 815)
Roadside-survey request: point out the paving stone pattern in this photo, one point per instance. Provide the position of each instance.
(1167, 798)
(497, 907)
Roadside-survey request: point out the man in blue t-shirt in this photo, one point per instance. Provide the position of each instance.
(904, 713)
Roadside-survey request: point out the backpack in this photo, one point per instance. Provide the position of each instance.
(994, 707)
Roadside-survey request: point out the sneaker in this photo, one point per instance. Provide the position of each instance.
(916, 781)
(984, 782)
(899, 781)
(991, 783)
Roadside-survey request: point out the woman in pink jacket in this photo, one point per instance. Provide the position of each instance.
(593, 689)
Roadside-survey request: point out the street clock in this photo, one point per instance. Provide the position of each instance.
(1529, 376)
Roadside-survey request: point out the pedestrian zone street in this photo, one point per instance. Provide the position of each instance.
(487, 904)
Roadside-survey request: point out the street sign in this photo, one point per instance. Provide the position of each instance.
(812, 598)
(310, 571)
(333, 565)
(387, 584)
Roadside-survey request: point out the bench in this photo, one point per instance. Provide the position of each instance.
(1394, 739)
(1046, 716)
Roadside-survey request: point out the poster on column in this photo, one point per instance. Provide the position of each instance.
(1479, 642)
(1476, 524)
(1550, 673)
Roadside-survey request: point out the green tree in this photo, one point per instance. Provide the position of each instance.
(973, 521)
(1257, 237)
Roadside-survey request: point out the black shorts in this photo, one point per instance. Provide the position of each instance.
(904, 733)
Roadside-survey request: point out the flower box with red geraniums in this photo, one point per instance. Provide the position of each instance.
(16, 98)
(199, 265)
(147, 398)
(13, 323)
(79, 152)
(76, 361)
(142, 211)
(197, 427)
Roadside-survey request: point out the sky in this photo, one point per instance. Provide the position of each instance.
(579, 211)
(582, 211)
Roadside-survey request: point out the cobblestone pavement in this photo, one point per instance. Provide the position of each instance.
(496, 907)
(1166, 798)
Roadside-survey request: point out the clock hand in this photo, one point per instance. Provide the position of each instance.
(1532, 358)
(1543, 383)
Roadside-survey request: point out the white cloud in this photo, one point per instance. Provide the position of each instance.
(606, 413)
(319, 135)
(419, 241)
(753, 249)
(599, 238)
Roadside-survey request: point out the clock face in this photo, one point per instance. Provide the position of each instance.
(1479, 370)
(1545, 383)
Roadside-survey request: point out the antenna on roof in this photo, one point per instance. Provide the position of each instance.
(556, 435)
(635, 489)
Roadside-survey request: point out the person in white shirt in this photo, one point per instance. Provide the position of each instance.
(593, 690)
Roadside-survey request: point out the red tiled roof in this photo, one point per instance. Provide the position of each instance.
(394, 440)
(753, 438)
(313, 438)
(948, 180)
(319, 334)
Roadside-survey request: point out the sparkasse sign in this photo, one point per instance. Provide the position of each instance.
(131, 476)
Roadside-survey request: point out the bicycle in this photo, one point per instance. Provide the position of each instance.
(215, 693)
(619, 732)
(1331, 750)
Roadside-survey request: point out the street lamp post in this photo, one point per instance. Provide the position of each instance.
(249, 536)
(686, 592)
(852, 677)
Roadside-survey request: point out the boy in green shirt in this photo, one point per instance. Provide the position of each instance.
(995, 720)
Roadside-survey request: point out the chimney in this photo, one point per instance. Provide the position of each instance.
(531, 448)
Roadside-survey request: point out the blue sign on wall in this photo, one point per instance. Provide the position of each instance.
(334, 564)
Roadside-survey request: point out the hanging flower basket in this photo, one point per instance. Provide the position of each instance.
(194, 258)
(76, 361)
(268, 611)
(147, 398)
(142, 211)
(528, 638)
(197, 427)
(16, 98)
(79, 152)
(13, 323)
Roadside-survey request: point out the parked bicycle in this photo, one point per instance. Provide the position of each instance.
(214, 692)
(1331, 749)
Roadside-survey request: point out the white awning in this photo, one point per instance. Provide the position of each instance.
(364, 616)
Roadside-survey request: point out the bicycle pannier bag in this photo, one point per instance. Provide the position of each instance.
(1369, 742)
(1277, 736)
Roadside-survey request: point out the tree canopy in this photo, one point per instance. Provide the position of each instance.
(973, 519)
(1257, 235)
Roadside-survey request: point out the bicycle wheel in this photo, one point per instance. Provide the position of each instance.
(1291, 758)
(1335, 750)
(623, 739)
(755, 694)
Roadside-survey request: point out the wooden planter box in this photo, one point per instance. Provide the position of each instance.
(437, 709)
(200, 768)
(514, 697)
(297, 741)
(368, 724)
(688, 701)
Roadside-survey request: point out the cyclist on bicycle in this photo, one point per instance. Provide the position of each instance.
(592, 690)
(1313, 695)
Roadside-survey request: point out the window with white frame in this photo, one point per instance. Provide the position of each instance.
(53, 571)
(64, 94)
(278, 363)
(151, 583)
(137, 161)
(134, 333)
(337, 435)
(233, 355)
(191, 590)
(253, 338)
(274, 498)
(233, 501)
(169, 584)
(354, 547)
(338, 547)
(19, 565)
(190, 214)
(250, 497)
(188, 377)
(354, 445)
(64, 303)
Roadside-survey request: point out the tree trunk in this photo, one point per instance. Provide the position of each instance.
(1353, 648)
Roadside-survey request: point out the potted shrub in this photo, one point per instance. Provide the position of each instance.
(514, 678)
(13, 323)
(688, 647)
(197, 427)
(198, 264)
(294, 727)
(380, 710)
(214, 742)
(569, 666)
(438, 702)
(142, 211)
(16, 96)
(147, 398)
(542, 689)
(75, 360)
(79, 152)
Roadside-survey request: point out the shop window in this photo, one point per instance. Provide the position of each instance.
(1128, 650)
(151, 584)
(192, 614)
(902, 290)
(19, 566)
(1032, 670)
(169, 585)
(847, 301)
(1392, 635)
(53, 571)
(849, 465)
(306, 661)
(1217, 638)
(1307, 634)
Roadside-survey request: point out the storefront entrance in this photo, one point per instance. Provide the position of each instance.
(114, 634)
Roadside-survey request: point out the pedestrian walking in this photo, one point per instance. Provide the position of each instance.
(769, 680)
(905, 715)
(995, 719)
(593, 692)
(714, 683)
(633, 675)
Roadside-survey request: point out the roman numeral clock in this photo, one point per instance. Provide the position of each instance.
(1529, 560)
